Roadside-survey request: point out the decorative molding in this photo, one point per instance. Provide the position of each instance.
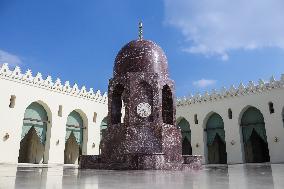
(224, 93)
(37, 81)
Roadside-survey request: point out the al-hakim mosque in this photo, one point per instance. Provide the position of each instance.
(139, 123)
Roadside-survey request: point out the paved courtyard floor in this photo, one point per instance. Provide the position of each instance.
(250, 176)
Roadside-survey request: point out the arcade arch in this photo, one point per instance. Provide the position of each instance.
(255, 146)
(103, 127)
(186, 136)
(35, 135)
(75, 140)
(216, 144)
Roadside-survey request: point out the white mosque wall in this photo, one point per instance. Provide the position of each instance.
(27, 89)
(238, 100)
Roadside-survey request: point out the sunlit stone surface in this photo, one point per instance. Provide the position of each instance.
(232, 176)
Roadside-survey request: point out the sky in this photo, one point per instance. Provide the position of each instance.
(209, 44)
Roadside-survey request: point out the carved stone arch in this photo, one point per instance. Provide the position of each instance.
(116, 104)
(167, 105)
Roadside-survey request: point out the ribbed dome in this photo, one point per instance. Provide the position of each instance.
(141, 56)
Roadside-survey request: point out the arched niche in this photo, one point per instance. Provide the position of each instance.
(116, 104)
(184, 125)
(35, 135)
(216, 144)
(75, 137)
(255, 146)
(167, 105)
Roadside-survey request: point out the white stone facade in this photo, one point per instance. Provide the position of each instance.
(238, 100)
(26, 89)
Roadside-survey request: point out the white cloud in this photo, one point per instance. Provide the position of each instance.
(6, 57)
(202, 83)
(214, 27)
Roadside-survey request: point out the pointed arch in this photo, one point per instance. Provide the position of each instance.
(167, 105)
(103, 126)
(116, 104)
(255, 145)
(215, 135)
(35, 136)
(184, 125)
(76, 136)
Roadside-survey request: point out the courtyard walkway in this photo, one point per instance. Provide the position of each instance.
(243, 176)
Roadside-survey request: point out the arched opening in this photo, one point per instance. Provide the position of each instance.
(254, 136)
(73, 138)
(216, 144)
(116, 104)
(103, 127)
(33, 137)
(146, 96)
(186, 136)
(167, 105)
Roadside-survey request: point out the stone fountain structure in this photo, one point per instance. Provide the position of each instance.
(147, 136)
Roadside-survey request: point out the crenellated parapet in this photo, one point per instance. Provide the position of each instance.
(56, 86)
(232, 92)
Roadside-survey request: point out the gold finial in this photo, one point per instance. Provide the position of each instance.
(140, 31)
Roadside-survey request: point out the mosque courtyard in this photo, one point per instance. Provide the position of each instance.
(213, 176)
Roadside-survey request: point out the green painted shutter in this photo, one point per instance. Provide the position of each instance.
(252, 119)
(215, 126)
(211, 134)
(260, 130)
(185, 129)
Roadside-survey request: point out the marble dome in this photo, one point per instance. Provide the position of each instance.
(141, 56)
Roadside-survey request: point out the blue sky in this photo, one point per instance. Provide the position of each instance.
(209, 44)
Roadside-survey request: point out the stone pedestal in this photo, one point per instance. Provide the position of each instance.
(141, 162)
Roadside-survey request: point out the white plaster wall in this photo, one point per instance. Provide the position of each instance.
(11, 119)
(238, 104)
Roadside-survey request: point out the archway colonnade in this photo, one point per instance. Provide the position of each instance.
(219, 138)
(36, 133)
